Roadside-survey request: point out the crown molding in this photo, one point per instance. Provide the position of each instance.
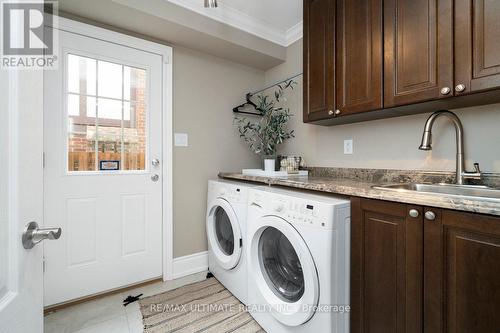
(244, 22)
(294, 33)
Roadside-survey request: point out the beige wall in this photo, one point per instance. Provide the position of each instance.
(390, 143)
(206, 89)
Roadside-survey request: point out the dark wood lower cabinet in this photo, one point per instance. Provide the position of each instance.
(415, 274)
(462, 273)
(386, 267)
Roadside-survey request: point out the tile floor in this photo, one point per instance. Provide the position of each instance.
(107, 314)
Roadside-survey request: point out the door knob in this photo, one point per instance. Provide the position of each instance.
(337, 112)
(460, 87)
(155, 177)
(445, 90)
(330, 113)
(32, 235)
(155, 162)
(413, 213)
(429, 215)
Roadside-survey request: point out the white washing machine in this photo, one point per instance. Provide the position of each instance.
(298, 261)
(227, 204)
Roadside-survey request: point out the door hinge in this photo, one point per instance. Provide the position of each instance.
(43, 160)
(43, 262)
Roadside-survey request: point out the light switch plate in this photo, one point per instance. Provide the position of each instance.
(348, 147)
(181, 139)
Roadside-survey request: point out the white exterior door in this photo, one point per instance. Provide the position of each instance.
(21, 190)
(103, 167)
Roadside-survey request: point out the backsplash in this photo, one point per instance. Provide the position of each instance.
(397, 176)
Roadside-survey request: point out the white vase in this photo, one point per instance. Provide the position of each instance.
(269, 164)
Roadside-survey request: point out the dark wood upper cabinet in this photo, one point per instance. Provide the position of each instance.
(477, 46)
(462, 284)
(319, 55)
(372, 59)
(418, 47)
(386, 267)
(359, 55)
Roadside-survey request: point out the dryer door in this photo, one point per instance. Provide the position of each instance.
(286, 274)
(224, 234)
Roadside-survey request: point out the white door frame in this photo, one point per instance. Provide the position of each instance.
(167, 107)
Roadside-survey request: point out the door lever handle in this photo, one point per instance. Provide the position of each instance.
(32, 235)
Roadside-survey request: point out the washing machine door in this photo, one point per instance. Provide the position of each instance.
(286, 274)
(224, 234)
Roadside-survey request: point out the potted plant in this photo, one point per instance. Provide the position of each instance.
(265, 134)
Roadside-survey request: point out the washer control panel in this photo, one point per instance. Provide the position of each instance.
(306, 209)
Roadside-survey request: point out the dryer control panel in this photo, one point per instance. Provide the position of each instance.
(228, 191)
(303, 208)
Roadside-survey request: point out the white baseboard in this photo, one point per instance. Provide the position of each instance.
(190, 264)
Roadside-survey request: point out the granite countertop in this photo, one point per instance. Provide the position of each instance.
(360, 184)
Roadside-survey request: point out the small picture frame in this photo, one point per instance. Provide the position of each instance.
(109, 165)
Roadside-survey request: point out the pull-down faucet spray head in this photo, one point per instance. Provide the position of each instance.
(426, 143)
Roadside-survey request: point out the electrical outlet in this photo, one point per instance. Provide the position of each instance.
(348, 147)
(181, 139)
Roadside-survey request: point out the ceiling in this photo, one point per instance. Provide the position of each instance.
(279, 21)
(246, 33)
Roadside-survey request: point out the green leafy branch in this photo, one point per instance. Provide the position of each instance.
(264, 135)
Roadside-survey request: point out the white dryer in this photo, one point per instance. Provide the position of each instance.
(298, 261)
(227, 204)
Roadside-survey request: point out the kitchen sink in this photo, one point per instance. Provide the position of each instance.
(474, 191)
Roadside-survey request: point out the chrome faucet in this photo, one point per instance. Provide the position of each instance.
(426, 144)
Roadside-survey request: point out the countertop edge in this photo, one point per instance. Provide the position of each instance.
(364, 189)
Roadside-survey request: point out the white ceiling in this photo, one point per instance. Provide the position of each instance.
(279, 21)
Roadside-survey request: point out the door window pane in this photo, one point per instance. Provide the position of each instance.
(81, 75)
(81, 133)
(110, 79)
(134, 137)
(109, 109)
(109, 147)
(107, 115)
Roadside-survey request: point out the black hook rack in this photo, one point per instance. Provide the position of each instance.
(248, 102)
(250, 95)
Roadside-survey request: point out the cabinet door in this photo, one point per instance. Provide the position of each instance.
(418, 40)
(319, 56)
(462, 284)
(477, 47)
(386, 267)
(359, 55)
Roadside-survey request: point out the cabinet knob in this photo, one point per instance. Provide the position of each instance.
(413, 213)
(330, 113)
(337, 112)
(445, 90)
(429, 215)
(460, 87)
